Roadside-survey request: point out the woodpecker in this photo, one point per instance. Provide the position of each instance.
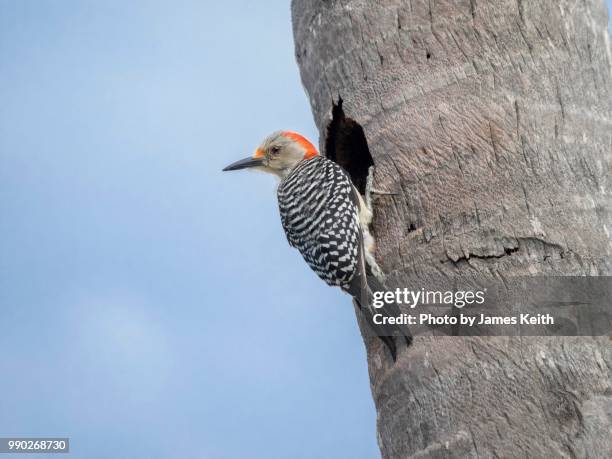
(325, 219)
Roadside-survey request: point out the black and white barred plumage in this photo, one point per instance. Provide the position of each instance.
(320, 215)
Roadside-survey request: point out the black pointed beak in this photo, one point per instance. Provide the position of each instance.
(244, 163)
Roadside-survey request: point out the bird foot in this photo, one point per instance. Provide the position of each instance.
(370, 190)
(384, 193)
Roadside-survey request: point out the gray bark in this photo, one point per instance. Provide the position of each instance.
(492, 121)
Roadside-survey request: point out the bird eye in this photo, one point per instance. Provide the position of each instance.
(275, 150)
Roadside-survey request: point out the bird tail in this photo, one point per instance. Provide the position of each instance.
(389, 334)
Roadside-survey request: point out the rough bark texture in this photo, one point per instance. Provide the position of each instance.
(492, 121)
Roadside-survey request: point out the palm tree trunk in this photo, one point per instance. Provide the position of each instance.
(492, 123)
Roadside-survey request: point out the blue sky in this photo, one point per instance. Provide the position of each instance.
(150, 305)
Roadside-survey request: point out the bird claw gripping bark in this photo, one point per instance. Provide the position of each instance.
(370, 190)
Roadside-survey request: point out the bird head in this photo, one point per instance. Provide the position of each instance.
(278, 154)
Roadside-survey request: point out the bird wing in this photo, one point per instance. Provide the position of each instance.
(320, 217)
(358, 287)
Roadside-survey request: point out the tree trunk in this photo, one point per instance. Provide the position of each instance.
(492, 123)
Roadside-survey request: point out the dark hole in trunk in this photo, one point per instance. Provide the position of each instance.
(346, 145)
